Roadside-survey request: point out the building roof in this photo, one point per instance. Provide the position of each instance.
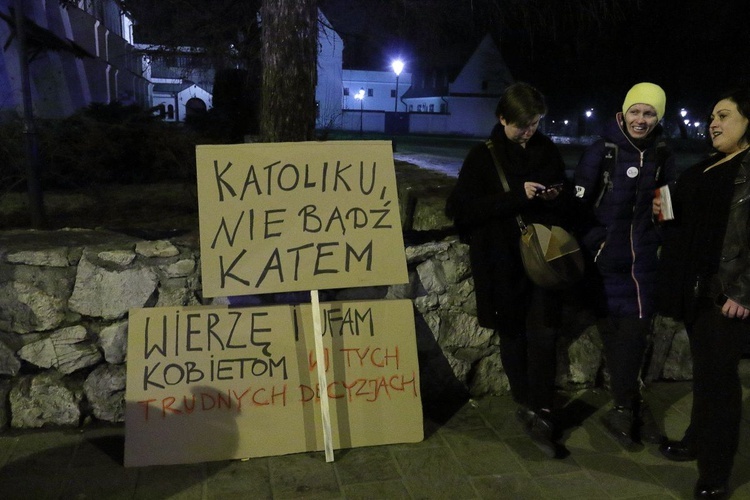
(436, 81)
(172, 88)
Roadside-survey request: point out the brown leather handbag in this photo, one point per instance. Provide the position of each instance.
(551, 256)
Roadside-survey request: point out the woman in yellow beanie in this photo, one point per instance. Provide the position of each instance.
(615, 182)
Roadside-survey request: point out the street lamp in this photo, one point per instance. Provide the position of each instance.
(398, 67)
(360, 96)
(588, 113)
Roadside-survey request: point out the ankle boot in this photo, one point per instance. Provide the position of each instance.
(648, 428)
(619, 423)
(541, 429)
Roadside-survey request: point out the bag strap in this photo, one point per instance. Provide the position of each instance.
(610, 159)
(504, 180)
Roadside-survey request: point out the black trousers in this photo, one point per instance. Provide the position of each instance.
(625, 340)
(529, 354)
(717, 345)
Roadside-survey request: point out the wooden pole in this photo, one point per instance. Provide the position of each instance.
(322, 379)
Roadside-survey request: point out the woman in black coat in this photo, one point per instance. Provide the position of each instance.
(707, 285)
(524, 316)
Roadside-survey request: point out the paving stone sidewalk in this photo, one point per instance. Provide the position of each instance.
(480, 452)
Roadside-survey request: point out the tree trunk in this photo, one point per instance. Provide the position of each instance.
(289, 56)
(33, 176)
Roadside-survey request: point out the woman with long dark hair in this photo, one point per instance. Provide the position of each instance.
(707, 285)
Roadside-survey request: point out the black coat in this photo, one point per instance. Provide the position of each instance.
(486, 217)
(710, 237)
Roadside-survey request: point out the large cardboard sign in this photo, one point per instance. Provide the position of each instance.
(215, 383)
(298, 216)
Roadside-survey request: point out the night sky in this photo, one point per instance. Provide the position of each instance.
(695, 49)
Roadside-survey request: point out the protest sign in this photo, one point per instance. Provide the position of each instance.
(280, 217)
(215, 383)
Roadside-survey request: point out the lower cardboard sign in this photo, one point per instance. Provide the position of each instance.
(216, 383)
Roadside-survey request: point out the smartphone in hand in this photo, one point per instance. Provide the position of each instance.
(558, 187)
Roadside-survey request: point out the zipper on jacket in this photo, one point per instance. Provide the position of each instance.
(641, 154)
(632, 242)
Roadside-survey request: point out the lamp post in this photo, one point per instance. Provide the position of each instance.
(398, 67)
(360, 96)
(589, 112)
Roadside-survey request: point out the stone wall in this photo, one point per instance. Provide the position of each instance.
(65, 297)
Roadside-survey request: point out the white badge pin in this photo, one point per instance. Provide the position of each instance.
(633, 172)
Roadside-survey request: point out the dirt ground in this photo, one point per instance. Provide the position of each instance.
(158, 206)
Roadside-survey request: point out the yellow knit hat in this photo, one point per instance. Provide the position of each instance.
(646, 93)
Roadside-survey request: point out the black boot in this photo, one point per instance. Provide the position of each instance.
(619, 423)
(648, 429)
(677, 451)
(524, 416)
(709, 490)
(541, 430)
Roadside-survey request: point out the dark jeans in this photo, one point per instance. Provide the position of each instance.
(529, 355)
(717, 345)
(625, 340)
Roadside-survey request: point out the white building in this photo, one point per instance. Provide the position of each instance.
(458, 101)
(378, 90)
(328, 90)
(181, 84)
(80, 55)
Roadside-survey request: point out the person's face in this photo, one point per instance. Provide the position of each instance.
(640, 120)
(728, 127)
(521, 133)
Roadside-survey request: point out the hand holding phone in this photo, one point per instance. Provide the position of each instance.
(552, 187)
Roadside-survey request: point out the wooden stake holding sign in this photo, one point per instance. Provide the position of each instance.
(322, 379)
(235, 383)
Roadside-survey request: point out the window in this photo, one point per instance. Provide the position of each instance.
(369, 92)
(346, 90)
(393, 93)
(432, 108)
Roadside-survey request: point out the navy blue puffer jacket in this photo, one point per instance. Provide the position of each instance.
(620, 233)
